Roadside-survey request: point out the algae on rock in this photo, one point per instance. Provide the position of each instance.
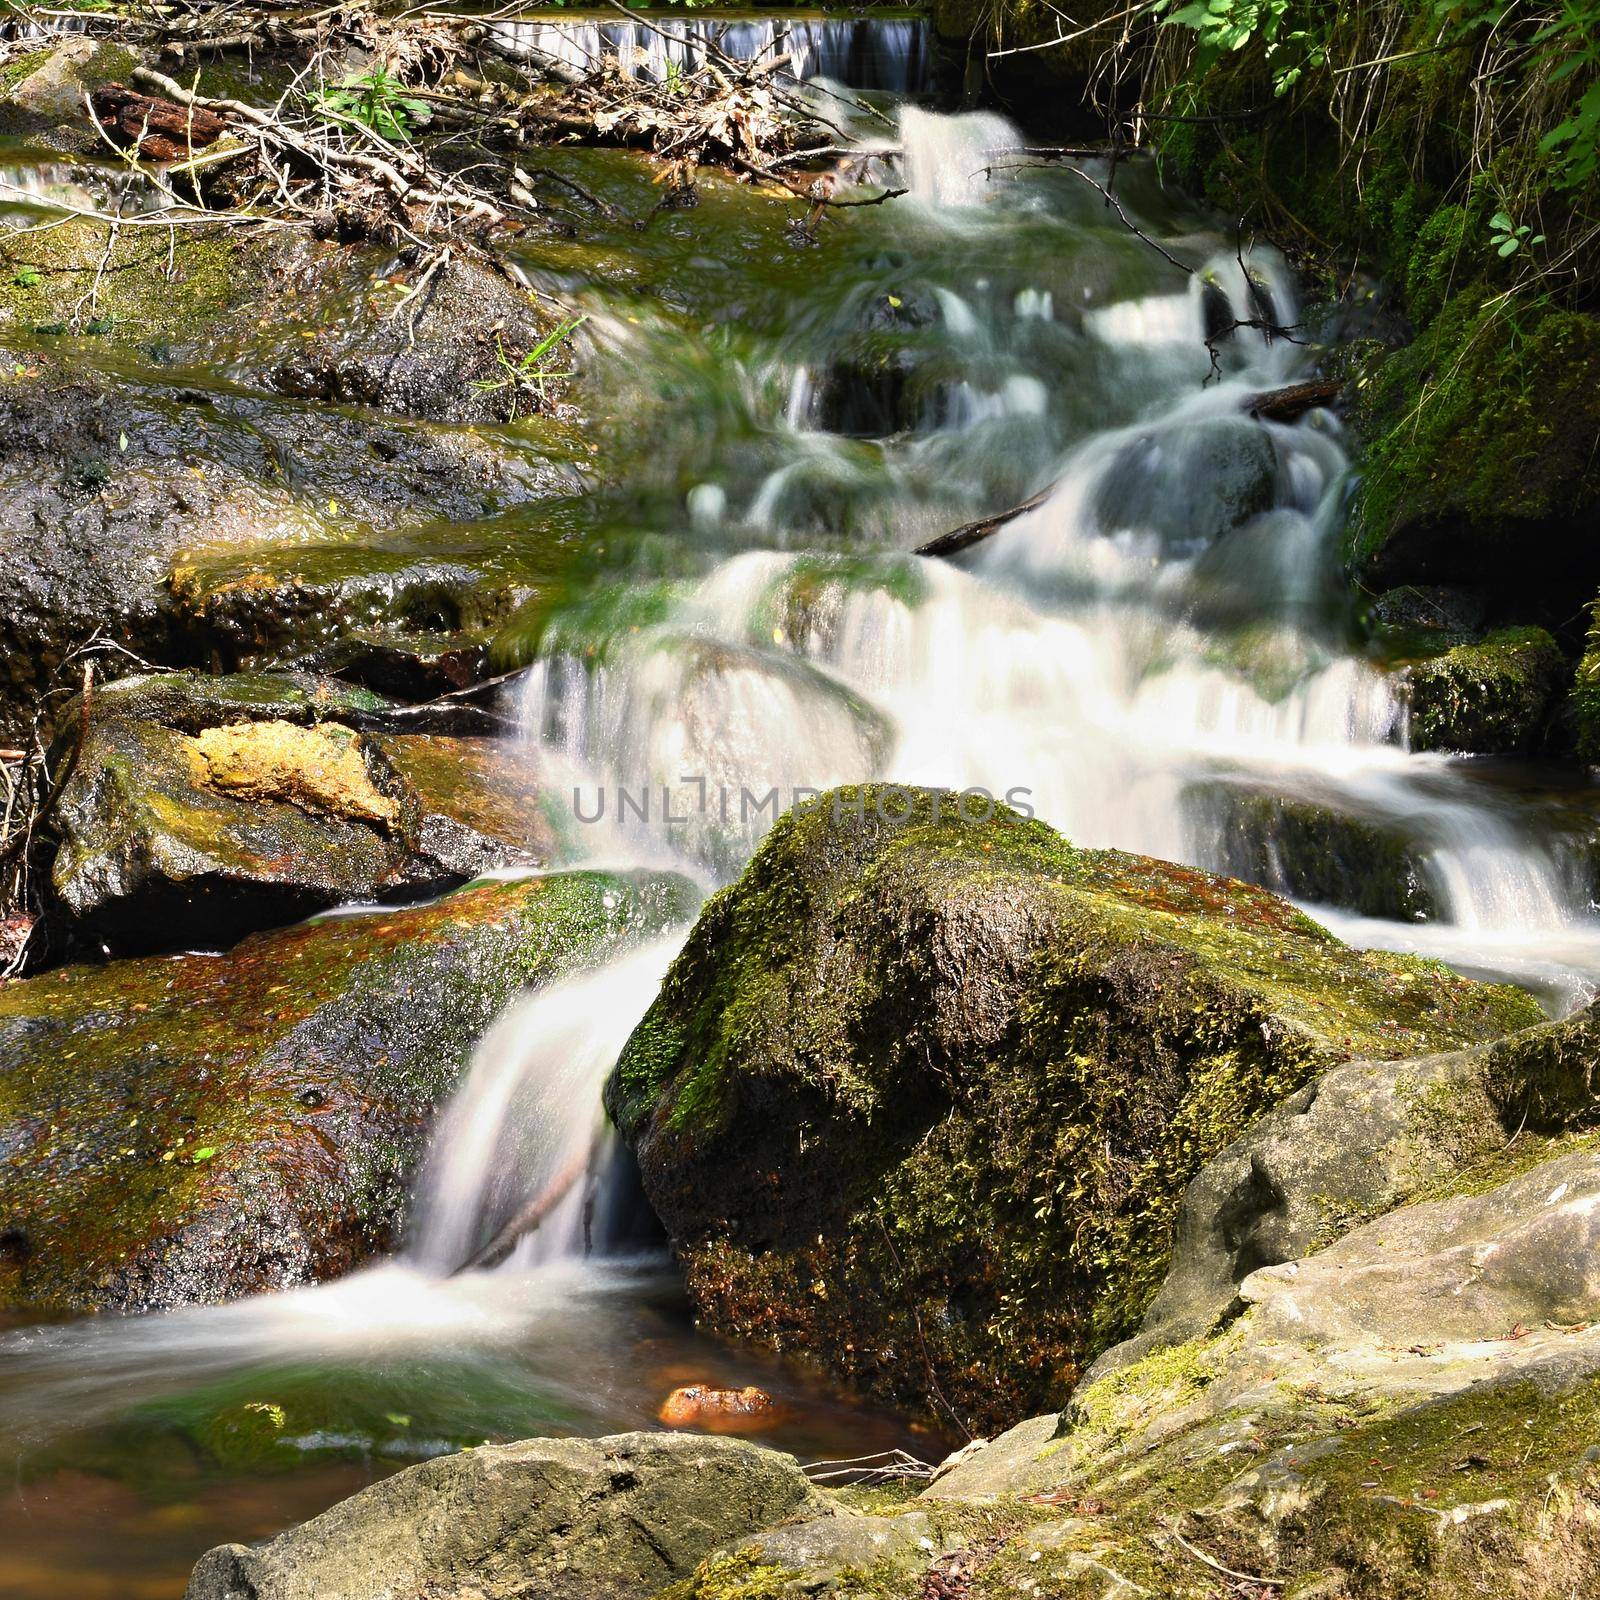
(921, 1095)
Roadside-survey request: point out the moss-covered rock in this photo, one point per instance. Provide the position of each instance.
(567, 1519)
(200, 809)
(1584, 701)
(1480, 466)
(1365, 1138)
(921, 1095)
(196, 1128)
(42, 88)
(1492, 697)
(1316, 853)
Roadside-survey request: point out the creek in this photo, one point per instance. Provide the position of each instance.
(1153, 658)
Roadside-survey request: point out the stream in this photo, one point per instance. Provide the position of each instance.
(1152, 659)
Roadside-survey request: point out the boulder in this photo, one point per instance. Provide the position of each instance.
(1361, 1140)
(921, 1095)
(564, 1519)
(1492, 697)
(199, 809)
(195, 1128)
(1410, 1411)
(1493, 485)
(1313, 852)
(42, 88)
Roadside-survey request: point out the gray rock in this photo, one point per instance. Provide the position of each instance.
(825, 1554)
(1349, 1147)
(548, 1519)
(201, 809)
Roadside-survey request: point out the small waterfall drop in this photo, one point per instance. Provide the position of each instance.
(520, 1161)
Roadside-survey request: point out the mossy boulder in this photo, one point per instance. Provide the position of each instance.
(1584, 700)
(921, 1095)
(191, 1128)
(1492, 697)
(42, 88)
(565, 1519)
(1314, 852)
(1479, 466)
(201, 809)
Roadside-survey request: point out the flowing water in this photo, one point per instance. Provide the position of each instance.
(1155, 651)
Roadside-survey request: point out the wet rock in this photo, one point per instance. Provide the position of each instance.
(1190, 483)
(409, 666)
(1316, 853)
(1435, 613)
(566, 1519)
(167, 520)
(1494, 697)
(196, 1128)
(1361, 1140)
(202, 809)
(921, 1095)
(717, 1410)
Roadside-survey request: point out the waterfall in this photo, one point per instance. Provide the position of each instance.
(874, 53)
(520, 1163)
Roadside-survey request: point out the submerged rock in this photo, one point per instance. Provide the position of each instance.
(195, 1128)
(921, 1095)
(201, 809)
(564, 1519)
(1494, 697)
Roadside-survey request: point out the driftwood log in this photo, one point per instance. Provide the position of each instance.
(1292, 403)
(158, 129)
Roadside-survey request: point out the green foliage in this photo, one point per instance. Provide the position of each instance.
(1230, 25)
(527, 376)
(377, 100)
(1507, 237)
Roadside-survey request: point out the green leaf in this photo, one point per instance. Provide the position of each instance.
(205, 1153)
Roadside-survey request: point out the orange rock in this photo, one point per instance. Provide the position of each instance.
(716, 1410)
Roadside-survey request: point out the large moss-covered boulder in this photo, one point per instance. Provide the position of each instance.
(921, 1095)
(563, 1519)
(194, 1128)
(1491, 697)
(1480, 467)
(198, 809)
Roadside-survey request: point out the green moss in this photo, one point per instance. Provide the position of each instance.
(736, 1577)
(1491, 697)
(1585, 696)
(1480, 456)
(22, 66)
(282, 1089)
(922, 1099)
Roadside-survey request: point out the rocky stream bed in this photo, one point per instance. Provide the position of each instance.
(747, 732)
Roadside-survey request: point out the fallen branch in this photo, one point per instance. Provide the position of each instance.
(1291, 403)
(971, 533)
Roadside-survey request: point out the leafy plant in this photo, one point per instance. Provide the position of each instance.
(529, 373)
(1507, 237)
(377, 100)
(1225, 26)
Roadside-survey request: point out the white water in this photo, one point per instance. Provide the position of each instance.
(1157, 625)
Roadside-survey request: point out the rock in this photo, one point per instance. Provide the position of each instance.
(1493, 484)
(172, 521)
(921, 1095)
(202, 809)
(1190, 483)
(839, 1553)
(1364, 1138)
(42, 90)
(193, 1128)
(1315, 852)
(1409, 1411)
(563, 1519)
(1490, 698)
(1433, 614)
(717, 1410)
